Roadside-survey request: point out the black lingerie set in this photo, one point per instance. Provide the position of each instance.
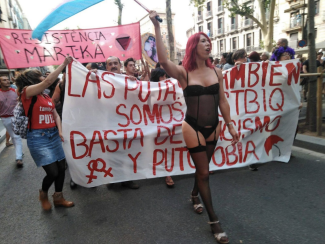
(202, 110)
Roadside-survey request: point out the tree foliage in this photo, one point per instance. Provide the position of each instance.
(234, 8)
(197, 3)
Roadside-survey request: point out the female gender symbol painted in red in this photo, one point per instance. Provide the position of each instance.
(93, 166)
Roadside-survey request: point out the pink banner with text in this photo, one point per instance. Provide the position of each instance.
(88, 45)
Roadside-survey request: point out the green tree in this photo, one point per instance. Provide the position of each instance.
(266, 24)
(197, 3)
(120, 6)
(170, 31)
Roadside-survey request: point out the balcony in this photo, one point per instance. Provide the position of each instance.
(258, 48)
(233, 27)
(250, 49)
(248, 22)
(295, 2)
(294, 25)
(199, 18)
(219, 10)
(221, 31)
(208, 14)
(296, 5)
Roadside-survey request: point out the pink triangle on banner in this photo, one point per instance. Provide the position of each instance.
(124, 42)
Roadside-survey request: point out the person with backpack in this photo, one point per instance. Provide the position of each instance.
(44, 134)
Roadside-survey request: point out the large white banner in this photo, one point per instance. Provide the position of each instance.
(118, 130)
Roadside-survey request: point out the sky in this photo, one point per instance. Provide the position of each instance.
(104, 14)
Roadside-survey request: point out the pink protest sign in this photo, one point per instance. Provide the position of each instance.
(89, 45)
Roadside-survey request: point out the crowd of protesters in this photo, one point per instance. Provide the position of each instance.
(42, 95)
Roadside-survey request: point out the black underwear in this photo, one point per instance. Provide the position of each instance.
(194, 96)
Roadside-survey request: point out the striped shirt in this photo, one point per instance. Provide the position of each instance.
(8, 101)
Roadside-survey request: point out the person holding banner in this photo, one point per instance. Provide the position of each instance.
(44, 138)
(203, 91)
(157, 75)
(113, 64)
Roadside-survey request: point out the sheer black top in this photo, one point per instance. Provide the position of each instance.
(202, 103)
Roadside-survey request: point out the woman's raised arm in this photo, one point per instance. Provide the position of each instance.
(36, 89)
(173, 70)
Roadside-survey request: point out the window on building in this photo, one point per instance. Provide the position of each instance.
(200, 28)
(199, 11)
(221, 46)
(220, 6)
(249, 40)
(294, 36)
(209, 25)
(208, 6)
(234, 43)
(220, 24)
(316, 7)
(209, 28)
(295, 19)
(293, 42)
(233, 23)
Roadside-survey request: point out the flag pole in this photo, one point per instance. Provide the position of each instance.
(157, 17)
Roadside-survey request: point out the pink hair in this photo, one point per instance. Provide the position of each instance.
(189, 61)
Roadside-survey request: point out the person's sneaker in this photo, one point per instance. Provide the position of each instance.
(130, 184)
(253, 167)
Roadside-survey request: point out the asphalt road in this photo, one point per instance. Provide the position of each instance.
(280, 203)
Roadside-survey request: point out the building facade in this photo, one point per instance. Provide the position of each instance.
(231, 33)
(12, 17)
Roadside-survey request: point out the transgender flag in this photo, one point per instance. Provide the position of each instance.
(64, 10)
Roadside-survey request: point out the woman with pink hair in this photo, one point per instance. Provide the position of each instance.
(204, 94)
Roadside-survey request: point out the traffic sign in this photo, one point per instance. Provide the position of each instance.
(302, 43)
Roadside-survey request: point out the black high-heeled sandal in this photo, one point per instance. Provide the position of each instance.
(198, 207)
(218, 236)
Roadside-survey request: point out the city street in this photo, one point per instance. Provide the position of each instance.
(280, 203)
